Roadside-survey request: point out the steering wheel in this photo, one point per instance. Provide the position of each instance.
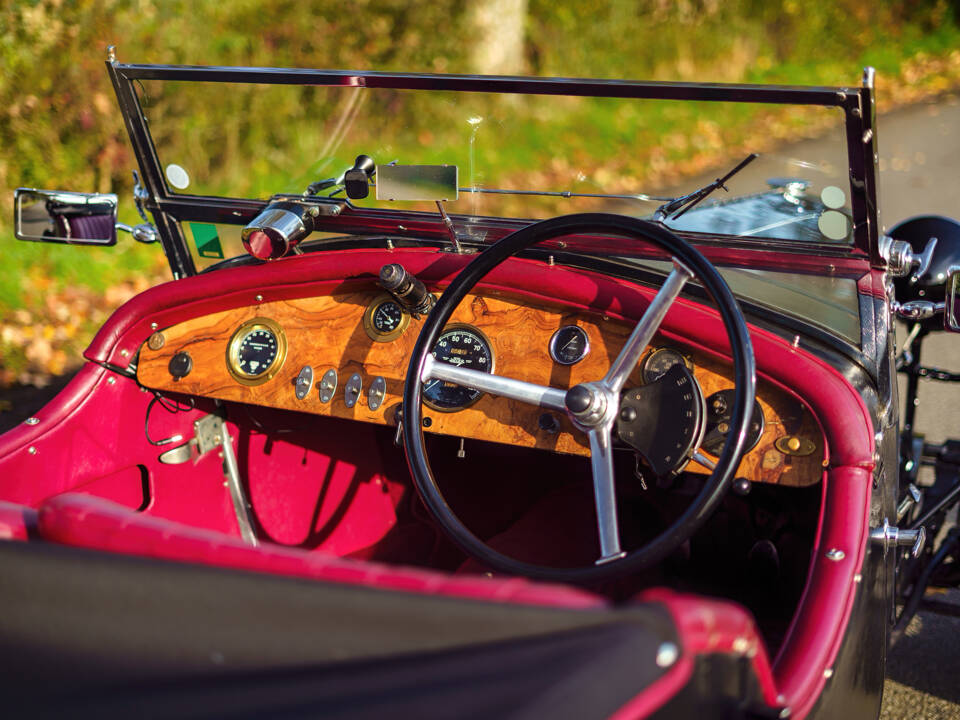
(592, 406)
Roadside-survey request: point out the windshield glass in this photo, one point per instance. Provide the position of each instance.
(253, 141)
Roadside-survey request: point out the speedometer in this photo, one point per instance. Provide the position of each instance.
(256, 351)
(463, 346)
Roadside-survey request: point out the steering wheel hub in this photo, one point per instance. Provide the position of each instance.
(588, 405)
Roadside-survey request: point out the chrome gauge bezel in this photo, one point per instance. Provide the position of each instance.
(233, 351)
(555, 338)
(486, 341)
(370, 327)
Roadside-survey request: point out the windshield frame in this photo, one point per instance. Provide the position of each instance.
(857, 103)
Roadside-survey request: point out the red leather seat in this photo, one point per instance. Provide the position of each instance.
(17, 522)
(98, 524)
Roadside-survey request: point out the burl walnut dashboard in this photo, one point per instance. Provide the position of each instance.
(345, 355)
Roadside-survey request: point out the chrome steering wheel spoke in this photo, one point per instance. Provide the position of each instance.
(604, 494)
(642, 334)
(531, 393)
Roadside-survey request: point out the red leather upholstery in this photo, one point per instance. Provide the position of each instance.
(90, 522)
(821, 621)
(17, 522)
(705, 627)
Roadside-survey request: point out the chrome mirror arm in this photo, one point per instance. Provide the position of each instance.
(144, 232)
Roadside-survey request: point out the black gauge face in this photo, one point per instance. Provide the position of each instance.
(463, 346)
(659, 361)
(569, 345)
(719, 412)
(257, 351)
(384, 319)
(387, 317)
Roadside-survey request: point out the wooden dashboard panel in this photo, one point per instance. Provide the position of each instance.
(327, 332)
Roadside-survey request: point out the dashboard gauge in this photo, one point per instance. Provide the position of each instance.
(464, 346)
(384, 319)
(656, 364)
(719, 413)
(569, 345)
(256, 351)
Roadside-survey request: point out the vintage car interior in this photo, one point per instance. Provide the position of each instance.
(478, 437)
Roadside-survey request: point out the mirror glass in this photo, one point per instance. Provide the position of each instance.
(65, 217)
(417, 182)
(951, 314)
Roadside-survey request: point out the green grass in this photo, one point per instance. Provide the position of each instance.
(59, 127)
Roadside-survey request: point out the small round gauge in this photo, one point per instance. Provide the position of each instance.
(256, 351)
(384, 319)
(659, 361)
(464, 346)
(569, 345)
(719, 413)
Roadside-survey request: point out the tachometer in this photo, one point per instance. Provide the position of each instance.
(256, 351)
(466, 347)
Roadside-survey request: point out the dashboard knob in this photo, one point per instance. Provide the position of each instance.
(180, 365)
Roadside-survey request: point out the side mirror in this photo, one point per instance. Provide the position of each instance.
(65, 217)
(951, 309)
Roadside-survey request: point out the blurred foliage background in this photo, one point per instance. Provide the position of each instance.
(59, 126)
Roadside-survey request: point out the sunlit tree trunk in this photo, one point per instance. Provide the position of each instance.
(498, 29)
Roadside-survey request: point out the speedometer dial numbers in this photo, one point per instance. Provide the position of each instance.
(384, 319)
(256, 351)
(464, 346)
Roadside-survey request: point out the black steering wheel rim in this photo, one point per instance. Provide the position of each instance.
(706, 501)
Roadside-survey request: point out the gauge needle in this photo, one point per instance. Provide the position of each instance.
(432, 383)
(570, 342)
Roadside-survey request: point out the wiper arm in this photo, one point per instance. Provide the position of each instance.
(679, 206)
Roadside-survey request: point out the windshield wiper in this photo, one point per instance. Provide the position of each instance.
(680, 205)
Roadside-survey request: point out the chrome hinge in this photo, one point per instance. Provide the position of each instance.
(890, 536)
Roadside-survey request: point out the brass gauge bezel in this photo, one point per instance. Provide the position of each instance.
(479, 333)
(233, 350)
(371, 329)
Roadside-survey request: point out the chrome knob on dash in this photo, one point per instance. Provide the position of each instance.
(303, 383)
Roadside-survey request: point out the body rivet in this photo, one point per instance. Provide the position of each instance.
(32, 450)
(32, 421)
(259, 298)
(667, 654)
(835, 554)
